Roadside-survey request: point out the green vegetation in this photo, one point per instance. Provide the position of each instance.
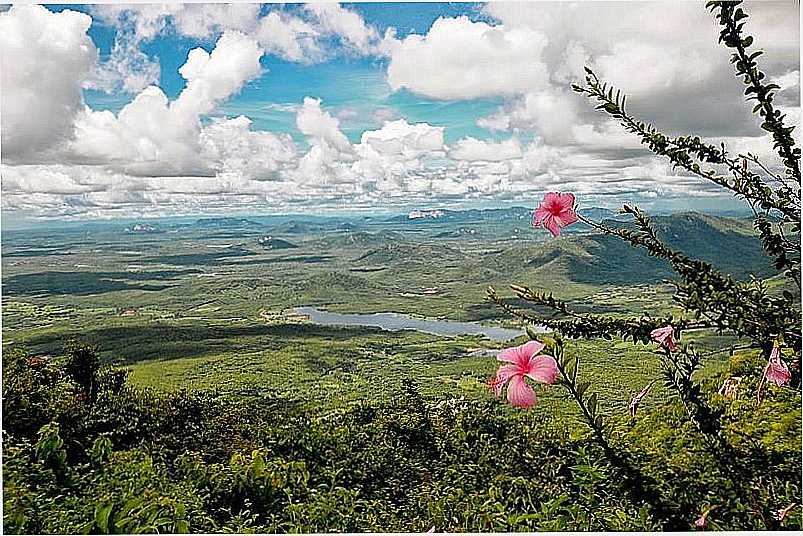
(710, 299)
(140, 460)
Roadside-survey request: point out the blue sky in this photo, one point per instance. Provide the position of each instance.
(157, 110)
(357, 85)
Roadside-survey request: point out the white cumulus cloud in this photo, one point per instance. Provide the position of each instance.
(161, 156)
(461, 59)
(473, 149)
(45, 56)
(348, 25)
(152, 134)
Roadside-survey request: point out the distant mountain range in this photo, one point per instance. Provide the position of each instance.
(219, 223)
(729, 244)
(470, 215)
(524, 214)
(422, 218)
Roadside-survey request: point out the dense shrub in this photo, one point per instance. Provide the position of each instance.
(137, 461)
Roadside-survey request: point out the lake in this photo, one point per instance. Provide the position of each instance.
(399, 322)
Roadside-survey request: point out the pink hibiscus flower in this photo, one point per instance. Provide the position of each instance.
(555, 211)
(702, 521)
(664, 336)
(777, 371)
(638, 397)
(783, 513)
(523, 361)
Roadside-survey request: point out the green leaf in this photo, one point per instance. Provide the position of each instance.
(581, 387)
(592, 403)
(598, 421)
(570, 367)
(102, 514)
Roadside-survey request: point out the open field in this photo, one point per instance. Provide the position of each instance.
(207, 304)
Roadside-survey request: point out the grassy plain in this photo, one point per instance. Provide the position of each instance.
(208, 305)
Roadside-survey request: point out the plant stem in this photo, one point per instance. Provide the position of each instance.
(641, 487)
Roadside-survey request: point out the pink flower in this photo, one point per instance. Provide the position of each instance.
(783, 513)
(524, 361)
(636, 400)
(702, 521)
(664, 336)
(777, 371)
(555, 211)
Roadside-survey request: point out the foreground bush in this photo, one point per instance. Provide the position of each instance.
(136, 461)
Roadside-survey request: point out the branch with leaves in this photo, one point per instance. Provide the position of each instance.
(575, 325)
(732, 18)
(709, 298)
(691, 154)
(744, 308)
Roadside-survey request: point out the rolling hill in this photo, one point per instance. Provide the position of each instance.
(398, 252)
(270, 242)
(352, 239)
(600, 259)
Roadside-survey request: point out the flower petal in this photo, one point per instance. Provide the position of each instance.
(543, 369)
(531, 348)
(511, 355)
(540, 214)
(659, 334)
(664, 336)
(552, 225)
(565, 201)
(520, 394)
(552, 199)
(520, 355)
(777, 372)
(503, 375)
(568, 217)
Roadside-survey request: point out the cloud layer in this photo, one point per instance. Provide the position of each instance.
(157, 155)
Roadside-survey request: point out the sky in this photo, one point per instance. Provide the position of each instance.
(146, 110)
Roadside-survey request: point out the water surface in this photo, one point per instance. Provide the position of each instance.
(399, 322)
